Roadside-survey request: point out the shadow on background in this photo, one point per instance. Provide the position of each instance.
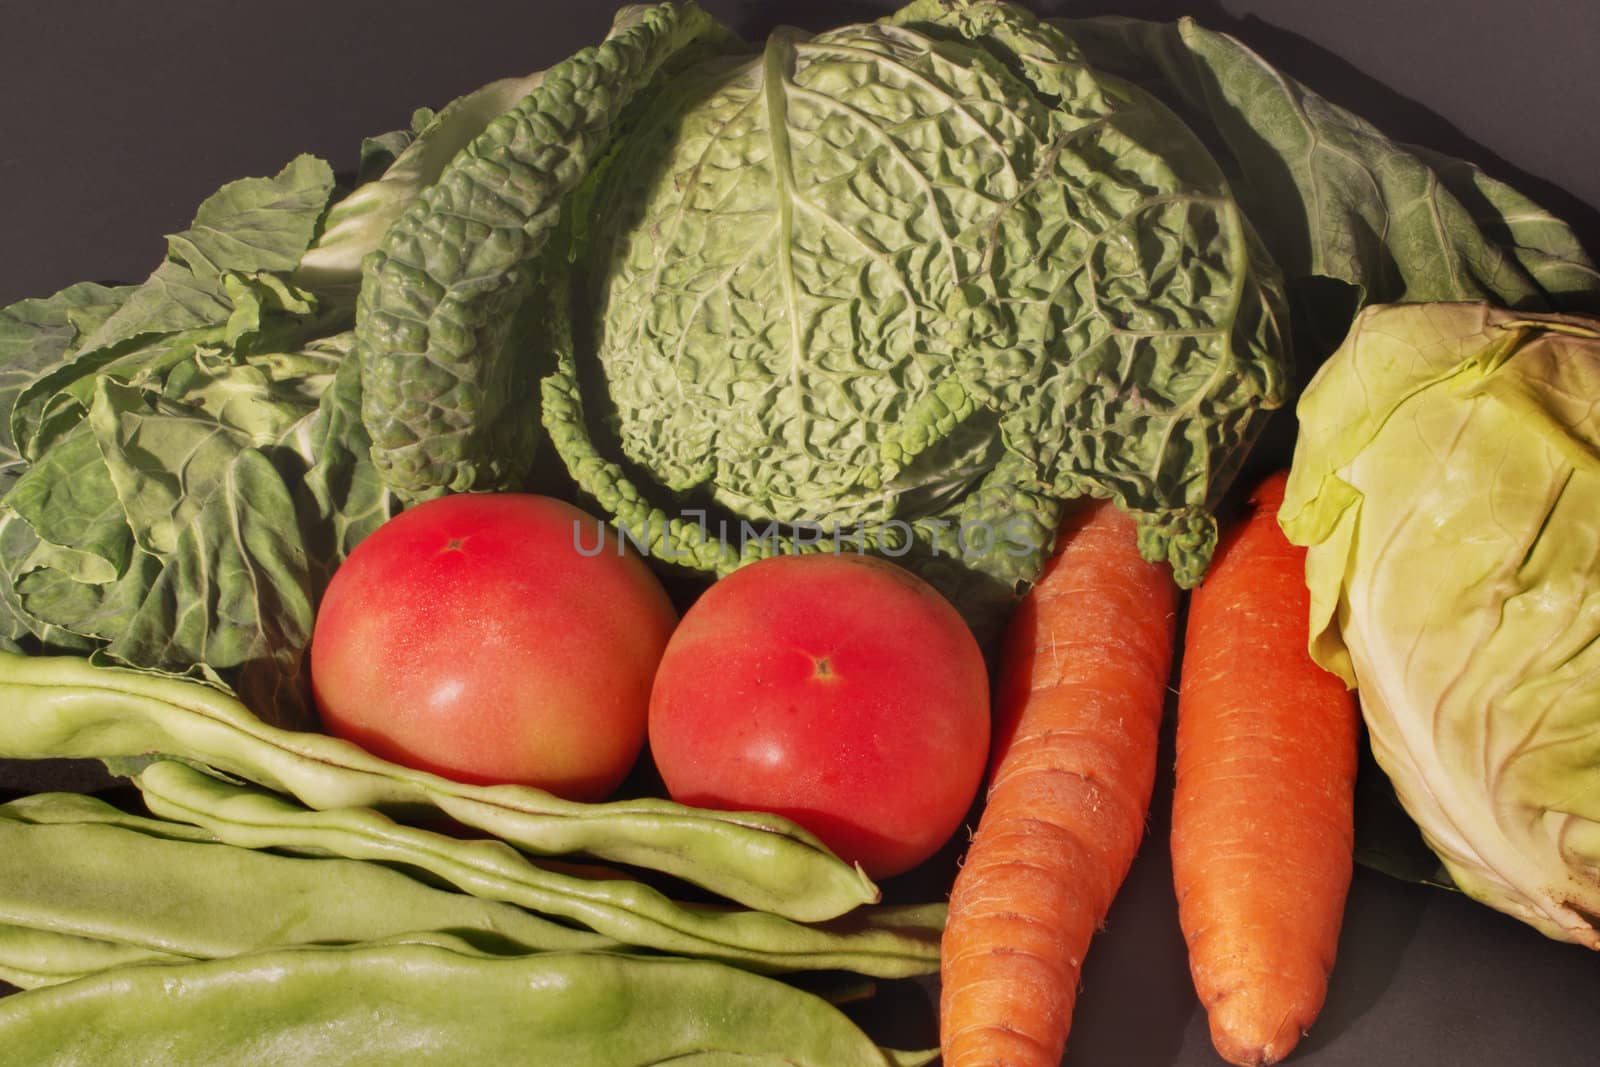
(20, 777)
(1135, 1002)
(1381, 919)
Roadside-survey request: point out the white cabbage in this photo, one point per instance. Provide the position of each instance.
(1447, 485)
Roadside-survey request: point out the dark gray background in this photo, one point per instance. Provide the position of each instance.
(116, 119)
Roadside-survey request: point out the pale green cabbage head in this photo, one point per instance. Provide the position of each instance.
(1447, 485)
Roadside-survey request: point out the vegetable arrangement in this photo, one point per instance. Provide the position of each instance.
(1005, 300)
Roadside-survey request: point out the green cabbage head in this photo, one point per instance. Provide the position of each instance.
(1447, 486)
(911, 284)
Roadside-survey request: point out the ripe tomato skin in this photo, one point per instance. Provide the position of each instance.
(468, 636)
(837, 690)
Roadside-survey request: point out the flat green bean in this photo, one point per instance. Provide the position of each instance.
(387, 1004)
(80, 868)
(55, 809)
(31, 958)
(69, 707)
(883, 942)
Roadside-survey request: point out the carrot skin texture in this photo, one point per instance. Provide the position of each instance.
(1263, 809)
(1081, 687)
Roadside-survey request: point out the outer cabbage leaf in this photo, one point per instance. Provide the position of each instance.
(1332, 195)
(379, 152)
(339, 493)
(916, 272)
(162, 529)
(22, 627)
(1445, 484)
(248, 227)
(166, 460)
(448, 391)
(409, 162)
(35, 335)
(70, 502)
(158, 526)
(235, 596)
(216, 286)
(143, 512)
(67, 614)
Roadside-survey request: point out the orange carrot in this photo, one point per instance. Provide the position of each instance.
(1262, 817)
(1078, 706)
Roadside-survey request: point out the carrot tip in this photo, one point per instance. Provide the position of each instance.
(1243, 1037)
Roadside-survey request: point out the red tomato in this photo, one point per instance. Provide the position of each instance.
(470, 636)
(840, 691)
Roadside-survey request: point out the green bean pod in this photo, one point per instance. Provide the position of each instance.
(384, 1004)
(123, 889)
(882, 942)
(59, 809)
(32, 958)
(70, 707)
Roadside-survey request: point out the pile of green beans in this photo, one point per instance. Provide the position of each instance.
(67, 707)
(390, 1003)
(87, 886)
(882, 942)
(282, 904)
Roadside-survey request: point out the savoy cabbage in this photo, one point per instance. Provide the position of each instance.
(906, 281)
